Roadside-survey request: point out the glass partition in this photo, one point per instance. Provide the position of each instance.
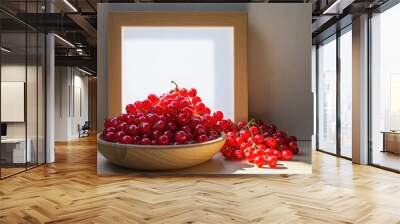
(327, 96)
(31, 99)
(14, 153)
(22, 64)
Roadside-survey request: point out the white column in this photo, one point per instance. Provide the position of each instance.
(50, 100)
(360, 90)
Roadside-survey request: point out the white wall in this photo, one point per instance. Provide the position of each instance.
(67, 81)
(279, 54)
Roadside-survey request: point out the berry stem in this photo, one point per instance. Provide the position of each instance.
(176, 85)
(251, 123)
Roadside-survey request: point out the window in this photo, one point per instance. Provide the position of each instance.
(385, 88)
(327, 96)
(346, 93)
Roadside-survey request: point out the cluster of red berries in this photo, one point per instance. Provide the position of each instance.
(259, 143)
(176, 117)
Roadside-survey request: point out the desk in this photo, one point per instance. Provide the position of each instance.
(13, 150)
(391, 141)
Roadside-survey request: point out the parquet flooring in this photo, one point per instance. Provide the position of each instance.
(70, 191)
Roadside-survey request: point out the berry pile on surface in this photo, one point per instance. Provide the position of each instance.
(259, 143)
(176, 117)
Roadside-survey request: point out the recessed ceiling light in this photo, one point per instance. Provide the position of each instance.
(5, 50)
(70, 5)
(84, 71)
(64, 40)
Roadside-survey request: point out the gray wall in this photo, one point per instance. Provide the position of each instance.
(279, 47)
(280, 66)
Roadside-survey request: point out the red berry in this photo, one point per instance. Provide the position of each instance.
(258, 139)
(183, 103)
(196, 100)
(151, 118)
(109, 136)
(239, 155)
(157, 109)
(200, 107)
(145, 141)
(218, 115)
(269, 152)
(130, 119)
(133, 130)
(192, 92)
(244, 134)
(283, 147)
(280, 134)
(146, 104)
(271, 142)
(183, 119)
(122, 126)
(202, 138)
(272, 127)
(292, 145)
(287, 155)
(163, 140)
(119, 135)
(127, 139)
(159, 125)
(171, 126)
(200, 129)
(145, 128)
(183, 92)
(110, 129)
(254, 130)
(138, 105)
(241, 124)
(137, 139)
(169, 134)
(258, 152)
(181, 137)
(272, 161)
(281, 140)
(130, 108)
(207, 111)
(230, 134)
(277, 153)
(292, 139)
(259, 161)
(153, 98)
(239, 140)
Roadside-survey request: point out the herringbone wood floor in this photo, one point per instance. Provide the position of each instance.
(69, 191)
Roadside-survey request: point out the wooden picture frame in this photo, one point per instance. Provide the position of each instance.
(237, 20)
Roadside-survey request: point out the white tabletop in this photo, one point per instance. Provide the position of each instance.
(13, 140)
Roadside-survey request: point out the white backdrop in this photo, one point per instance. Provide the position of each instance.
(199, 57)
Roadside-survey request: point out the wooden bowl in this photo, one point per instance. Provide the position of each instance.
(159, 157)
